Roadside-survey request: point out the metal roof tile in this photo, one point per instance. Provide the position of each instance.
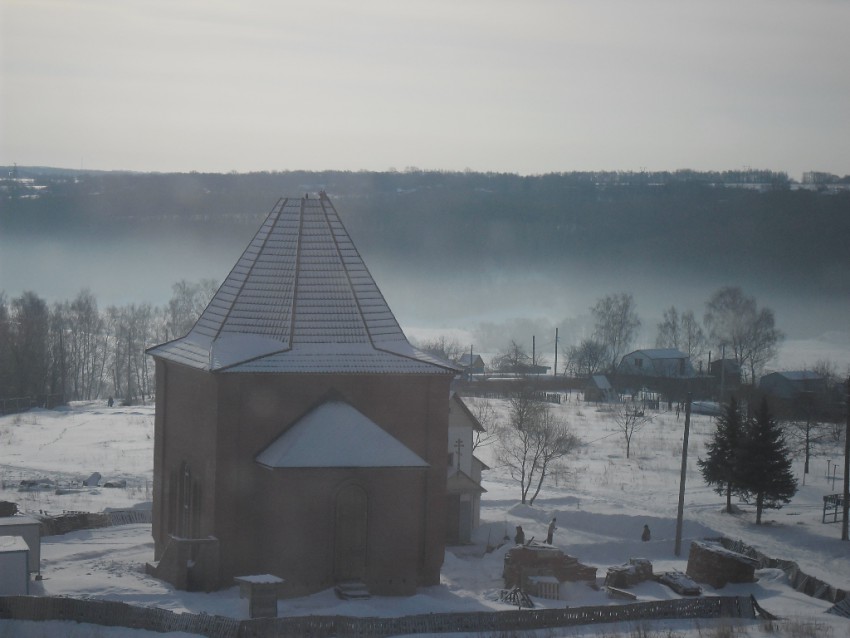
(300, 299)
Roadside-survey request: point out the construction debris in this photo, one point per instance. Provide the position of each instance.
(637, 570)
(516, 596)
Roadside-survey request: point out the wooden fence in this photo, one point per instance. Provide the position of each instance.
(13, 405)
(483, 393)
(799, 580)
(118, 614)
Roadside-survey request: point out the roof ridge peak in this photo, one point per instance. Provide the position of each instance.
(300, 284)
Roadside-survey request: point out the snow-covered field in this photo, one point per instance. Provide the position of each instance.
(601, 508)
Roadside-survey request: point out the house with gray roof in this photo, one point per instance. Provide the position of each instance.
(791, 384)
(463, 474)
(656, 362)
(298, 433)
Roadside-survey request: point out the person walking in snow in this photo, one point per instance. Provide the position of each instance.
(645, 536)
(551, 531)
(519, 539)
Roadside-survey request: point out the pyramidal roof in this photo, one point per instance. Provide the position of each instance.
(300, 299)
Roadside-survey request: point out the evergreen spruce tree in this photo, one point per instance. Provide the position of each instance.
(718, 468)
(764, 466)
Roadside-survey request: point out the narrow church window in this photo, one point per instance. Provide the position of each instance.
(351, 534)
(188, 504)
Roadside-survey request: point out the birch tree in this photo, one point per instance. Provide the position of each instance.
(616, 324)
(532, 443)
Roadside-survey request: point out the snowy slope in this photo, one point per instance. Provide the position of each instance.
(601, 508)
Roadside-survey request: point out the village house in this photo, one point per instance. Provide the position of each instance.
(297, 432)
(471, 363)
(656, 362)
(463, 482)
(793, 384)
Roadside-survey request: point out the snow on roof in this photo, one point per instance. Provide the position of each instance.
(13, 544)
(601, 382)
(476, 424)
(6, 521)
(458, 482)
(662, 353)
(300, 284)
(259, 579)
(335, 434)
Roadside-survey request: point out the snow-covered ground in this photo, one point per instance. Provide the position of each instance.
(601, 508)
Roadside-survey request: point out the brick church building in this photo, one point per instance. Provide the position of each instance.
(298, 433)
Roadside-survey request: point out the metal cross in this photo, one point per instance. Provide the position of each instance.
(458, 446)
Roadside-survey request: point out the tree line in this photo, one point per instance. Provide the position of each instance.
(694, 221)
(74, 350)
(733, 326)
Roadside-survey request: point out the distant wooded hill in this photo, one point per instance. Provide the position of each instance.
(729, 222)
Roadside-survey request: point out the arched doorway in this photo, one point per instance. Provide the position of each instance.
(350, 534)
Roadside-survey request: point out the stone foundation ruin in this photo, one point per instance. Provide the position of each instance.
(713, 564)
(539, 570)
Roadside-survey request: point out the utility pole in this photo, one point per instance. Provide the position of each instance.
(533, 354)
(680, 514)
(846, 495)
(555, 369)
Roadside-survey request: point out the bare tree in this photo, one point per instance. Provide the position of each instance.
(29, 324)
(828, 369)
(7, 373)
(485, 414)
(513, 358)
(586, 359)
(188, 300)
(734, 320)
(669, 330)
(682, 332)
(134, 327)
(630, 419)
(532, 443)
(616, 324)
(805, 418)
(87, 348)
(61, 365)
(693, 336)
(443, 347)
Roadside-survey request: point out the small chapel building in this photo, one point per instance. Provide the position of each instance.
(298, 433)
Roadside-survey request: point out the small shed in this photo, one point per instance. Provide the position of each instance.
(471, 363)
(29, 529)
(262, 591)
(14, 571)
(599, 389)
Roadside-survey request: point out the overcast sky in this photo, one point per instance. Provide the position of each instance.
(522, 86)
